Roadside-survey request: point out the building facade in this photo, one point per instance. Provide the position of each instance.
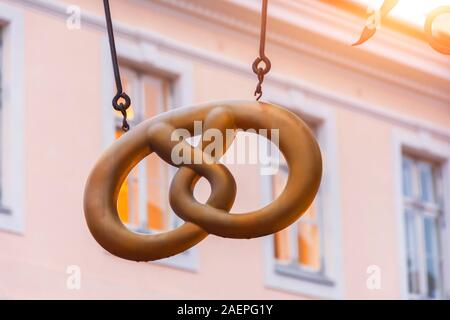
(379, 226)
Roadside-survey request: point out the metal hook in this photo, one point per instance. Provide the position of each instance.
(261, 72)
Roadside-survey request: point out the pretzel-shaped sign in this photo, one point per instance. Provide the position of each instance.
(297, 143)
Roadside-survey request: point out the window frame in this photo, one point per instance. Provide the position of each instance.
(420, 210)
(147, 57)
(12, 131)
(294, 268)
(290, 278)
(423, 146)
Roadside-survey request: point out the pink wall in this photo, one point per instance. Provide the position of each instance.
(64, 137)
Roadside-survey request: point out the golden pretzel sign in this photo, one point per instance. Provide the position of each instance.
(296, 142)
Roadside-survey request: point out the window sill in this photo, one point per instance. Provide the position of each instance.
(292, 279)
(10, 222)
(295, 272)
(425, 298)
(185, 261)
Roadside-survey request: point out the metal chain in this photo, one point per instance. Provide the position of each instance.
(257, 69)
(122, 107)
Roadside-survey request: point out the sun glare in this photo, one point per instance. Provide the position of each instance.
(411, 11)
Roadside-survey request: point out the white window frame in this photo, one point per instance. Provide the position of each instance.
(422, 145)
(294, 279)
(13, 121)
(148, 57)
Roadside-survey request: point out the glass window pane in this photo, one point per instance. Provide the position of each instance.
(408, 188)
(439, 186)
(411, 252)
(432, 256)
(282, 248)
(309, 245)
(426, 182)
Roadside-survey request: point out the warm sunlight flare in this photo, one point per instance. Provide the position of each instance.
(411, 11)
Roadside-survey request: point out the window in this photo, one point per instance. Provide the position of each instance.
(298, 250)
(300, 244)
(306, 257)
(423, 214)
(143, 199)
(156, 81)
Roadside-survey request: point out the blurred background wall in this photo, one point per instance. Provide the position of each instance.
(380, 112)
